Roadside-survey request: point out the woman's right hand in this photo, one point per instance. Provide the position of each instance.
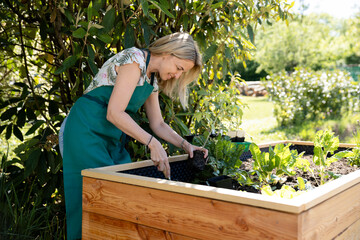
(159, 157)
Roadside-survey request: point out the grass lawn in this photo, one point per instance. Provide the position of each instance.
(259, 121)
(260, 124)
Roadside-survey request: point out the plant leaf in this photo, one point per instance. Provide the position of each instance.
(108, 20)
(162, 7)
(250, 32)
(68, 63)
(79, 33)
(129, 36)
(18, 133)
(210, 52)
(32, 162)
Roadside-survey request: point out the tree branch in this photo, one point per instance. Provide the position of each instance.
(28, 77)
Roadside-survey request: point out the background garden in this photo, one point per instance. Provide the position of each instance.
(50, 50)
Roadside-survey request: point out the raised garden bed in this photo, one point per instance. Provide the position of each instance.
(133, 201)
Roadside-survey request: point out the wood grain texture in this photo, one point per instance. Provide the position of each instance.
(187, 215)
(351, 233)
(330, 218)
(100, 227)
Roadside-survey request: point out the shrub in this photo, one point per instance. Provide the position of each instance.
(309, 95)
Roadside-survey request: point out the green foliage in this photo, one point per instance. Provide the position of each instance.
(326, 143)
(307, 95)
(211, 109)
(271, 166)
(23, 212)
(249, 70)
(313, 41)
(224, 155)
(354, 155)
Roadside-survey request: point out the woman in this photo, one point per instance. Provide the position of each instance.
(95, 130)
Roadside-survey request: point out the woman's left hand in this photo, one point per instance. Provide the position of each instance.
(189, 148)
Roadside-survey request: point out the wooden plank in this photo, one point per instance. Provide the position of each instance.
(286, 205)
(100, 227)
(328, 190)
(296, 205)
(183, 214)
(328, 219)
(140, 164)
(351, 233)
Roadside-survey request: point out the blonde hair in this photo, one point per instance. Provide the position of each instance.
(183, 46)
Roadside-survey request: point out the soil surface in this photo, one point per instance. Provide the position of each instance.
(338, 168)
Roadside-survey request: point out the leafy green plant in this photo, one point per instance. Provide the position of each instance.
(354, 156)
(271, 166)
(216, 106)
(224, 155)
(23, 214)
(309, 95)
(326, 144)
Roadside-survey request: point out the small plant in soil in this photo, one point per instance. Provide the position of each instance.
(271, 166)
(325, 144)
(224, 156)
(279, 172)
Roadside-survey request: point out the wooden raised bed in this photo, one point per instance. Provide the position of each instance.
(127, 206)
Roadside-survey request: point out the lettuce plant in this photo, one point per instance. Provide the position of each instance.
(271, 166)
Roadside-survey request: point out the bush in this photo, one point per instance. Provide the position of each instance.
(308, 95)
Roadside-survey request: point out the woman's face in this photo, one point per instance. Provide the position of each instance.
(173, 67)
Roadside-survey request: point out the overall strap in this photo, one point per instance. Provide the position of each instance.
(95, 99)
(147, 63)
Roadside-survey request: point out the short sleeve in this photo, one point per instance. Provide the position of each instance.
(107, 74)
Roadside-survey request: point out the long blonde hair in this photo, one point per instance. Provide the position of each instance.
(183, 46)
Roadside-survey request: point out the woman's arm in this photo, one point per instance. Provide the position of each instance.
(163, 130)
(126, 82)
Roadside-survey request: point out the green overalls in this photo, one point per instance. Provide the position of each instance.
(91, 141)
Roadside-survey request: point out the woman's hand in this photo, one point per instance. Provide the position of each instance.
(159, 157)
(189, 148)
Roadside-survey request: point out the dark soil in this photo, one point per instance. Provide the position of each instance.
(198, 161)
(338, 168)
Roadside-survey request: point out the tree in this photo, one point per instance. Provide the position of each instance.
(313, 41)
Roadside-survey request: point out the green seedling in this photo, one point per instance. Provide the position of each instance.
(326, 144)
